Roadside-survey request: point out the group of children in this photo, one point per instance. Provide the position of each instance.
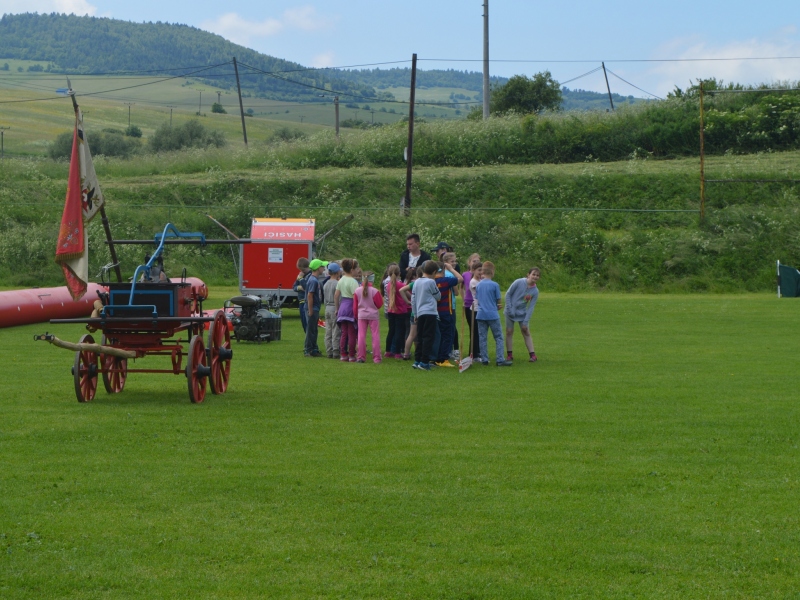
(420, 310)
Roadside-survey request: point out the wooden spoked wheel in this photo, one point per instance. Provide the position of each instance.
(220, 353)
(84, 371)
(197, 370)
(115, 371)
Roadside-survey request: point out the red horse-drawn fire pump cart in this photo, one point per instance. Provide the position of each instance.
(152, 316)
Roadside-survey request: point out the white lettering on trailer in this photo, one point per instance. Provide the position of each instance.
(282, 235)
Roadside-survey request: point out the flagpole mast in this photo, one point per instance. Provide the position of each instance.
(103, 216)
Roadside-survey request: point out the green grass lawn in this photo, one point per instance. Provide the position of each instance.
(652, 452)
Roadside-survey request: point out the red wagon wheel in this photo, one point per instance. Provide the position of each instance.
(197, 370)
(84, 371)
(115, 371)
(220, 353)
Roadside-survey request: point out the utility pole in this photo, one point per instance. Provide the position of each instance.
(608, 87)
(2, 142)
(702, 156)
(336, 108)
(241, 106)
(200, 104)
(373, 116)
(218, 98)
(302, 117)
(485, 59)
(355, 114)
(128, 104)
(170, 114)
(410, 156)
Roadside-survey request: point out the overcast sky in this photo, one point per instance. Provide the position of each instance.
(357, 32)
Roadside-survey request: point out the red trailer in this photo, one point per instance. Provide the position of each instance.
(268, 265)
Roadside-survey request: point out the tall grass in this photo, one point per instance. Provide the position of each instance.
(747, 228)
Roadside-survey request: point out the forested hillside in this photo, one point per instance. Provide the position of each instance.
(68, 43)
(401, 77)
(87, 45)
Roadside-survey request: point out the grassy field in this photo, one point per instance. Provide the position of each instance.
(651, 452)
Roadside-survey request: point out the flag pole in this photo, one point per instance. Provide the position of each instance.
(103, 216)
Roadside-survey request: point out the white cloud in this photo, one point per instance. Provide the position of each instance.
(78, 7)
(240, 30)
(781, 43)
(305, 18)
(323, 60)
(244, 31)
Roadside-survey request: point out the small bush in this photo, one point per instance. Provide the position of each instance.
(107, 143)
(284, 134)
(191, 134)
(133, 131)
(217, 108)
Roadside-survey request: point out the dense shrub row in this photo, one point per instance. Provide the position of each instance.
(747, 228)
(665, 129)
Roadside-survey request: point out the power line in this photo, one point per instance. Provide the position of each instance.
(114, 90)
(619, 60)
(633, 86)
(580, 76)
(359, 96)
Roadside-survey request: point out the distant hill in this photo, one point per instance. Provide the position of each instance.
(87, 45)
(92, 45)
(585, 100)
(401, 77)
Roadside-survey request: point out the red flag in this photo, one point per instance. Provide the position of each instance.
(72, 250)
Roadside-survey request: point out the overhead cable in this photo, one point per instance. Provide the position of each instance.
(633, 86)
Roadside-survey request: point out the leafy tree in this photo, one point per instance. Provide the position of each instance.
(527, 95)
(5, 67)
(217, 108)
(36, 68)
(133, 131)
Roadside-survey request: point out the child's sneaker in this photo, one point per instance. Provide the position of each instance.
(424, 367)
(432, 365)
(485, 363)
(533, 357)
(504, 363)
(360, 360)
(406, 356)
(444, 363)
(388, 355)
(353, 359)
(509, 356)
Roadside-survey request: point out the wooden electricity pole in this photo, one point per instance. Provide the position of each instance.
(241, 106)
(702, 158)
(608, 87)
(486, 59)
(410, 156)
(2, 142)
(336, 109)
(129, 104)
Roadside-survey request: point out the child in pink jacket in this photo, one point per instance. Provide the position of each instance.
(367, 302)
